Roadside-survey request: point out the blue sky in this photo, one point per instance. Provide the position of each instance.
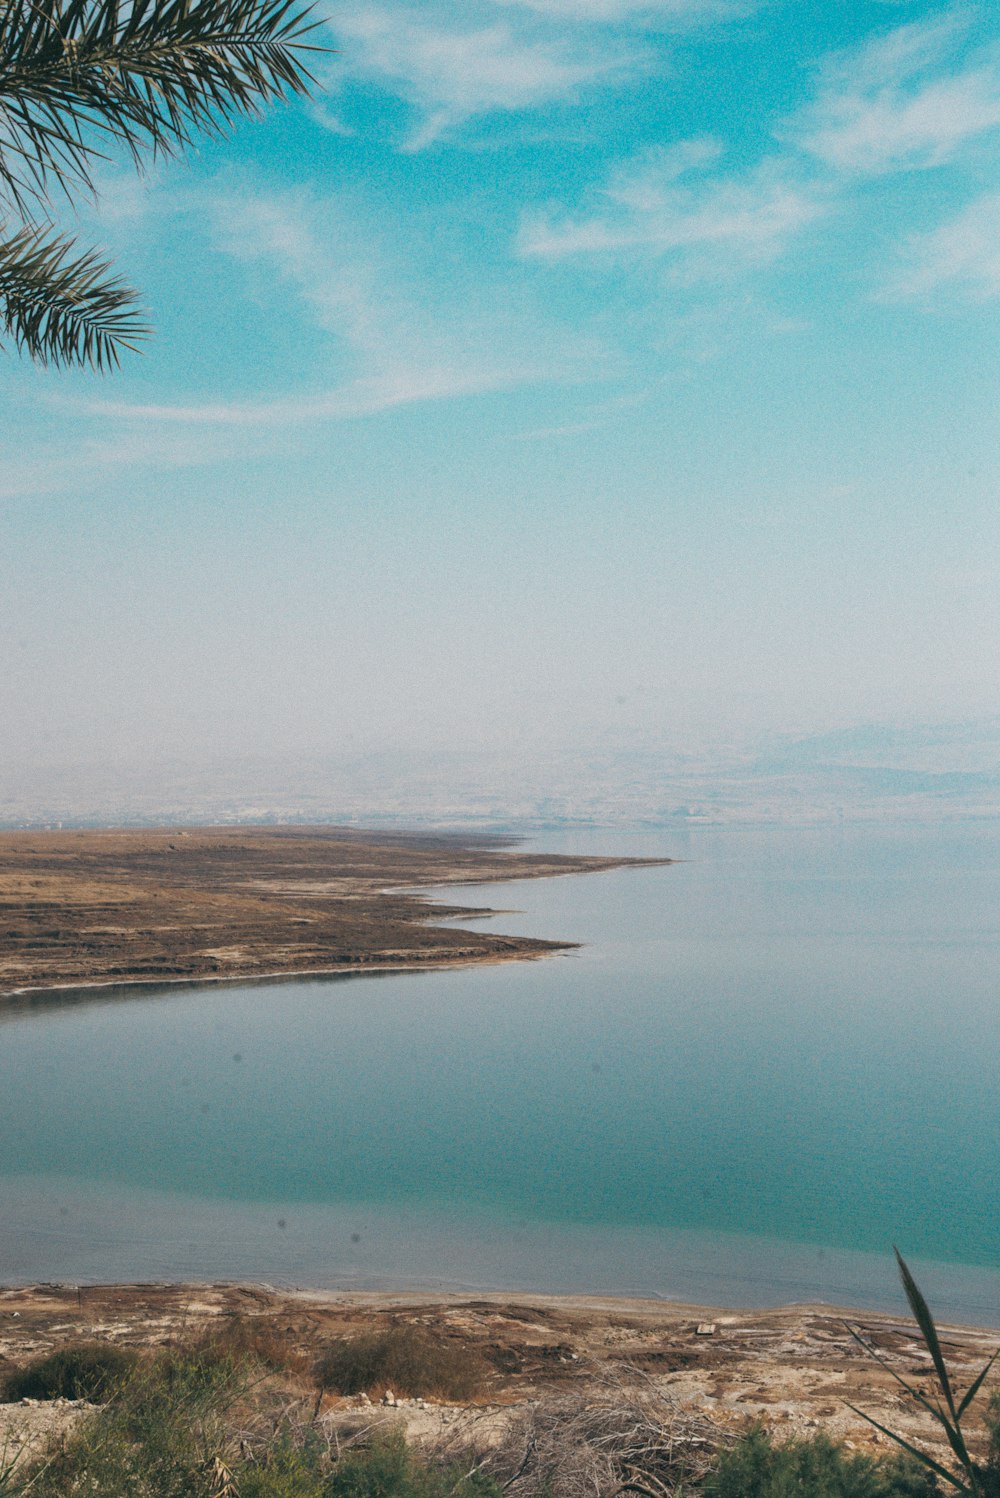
(566, 373)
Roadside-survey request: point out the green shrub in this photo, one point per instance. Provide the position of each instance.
(91, 1370)
(406, 1359)
(157, 1439)
(194, 1373)
(816, 1468)
(390, 1469)
(288, 1471)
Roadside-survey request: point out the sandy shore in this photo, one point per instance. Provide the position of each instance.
(106, 907)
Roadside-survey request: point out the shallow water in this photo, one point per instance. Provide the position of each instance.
(769, 1063)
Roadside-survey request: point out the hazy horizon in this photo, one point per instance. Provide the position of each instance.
(923, 774)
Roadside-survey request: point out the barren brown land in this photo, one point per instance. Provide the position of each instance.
(547, 1359)
(87, 907)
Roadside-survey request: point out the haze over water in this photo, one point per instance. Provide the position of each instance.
(769, 1063)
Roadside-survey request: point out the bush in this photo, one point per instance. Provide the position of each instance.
(390, 1470)
(156, 1440)
(817, 1468)
(251, 1339)
(289, 1471)
(91, 1370)
(406, 1359)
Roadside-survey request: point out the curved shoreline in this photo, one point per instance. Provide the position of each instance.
(113, 908)
(285, 975)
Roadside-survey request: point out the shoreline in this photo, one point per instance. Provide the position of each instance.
(112, 908)
(296, 975)
(653, 1309)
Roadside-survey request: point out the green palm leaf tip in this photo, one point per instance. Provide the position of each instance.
(146, 76)
(65, 308)
(950, 1417)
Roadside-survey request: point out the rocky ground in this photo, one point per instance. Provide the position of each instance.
(795, 1369)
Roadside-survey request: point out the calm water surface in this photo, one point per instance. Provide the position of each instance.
(767, 1065)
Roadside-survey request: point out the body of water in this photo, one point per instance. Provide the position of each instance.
(768, 1063)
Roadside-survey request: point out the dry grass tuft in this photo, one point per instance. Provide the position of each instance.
(409, 1360)
(250, 1339)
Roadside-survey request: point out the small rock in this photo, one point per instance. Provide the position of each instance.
(705, 1329)
(388, 1397)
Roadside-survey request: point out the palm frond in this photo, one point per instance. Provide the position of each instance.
(76, 75)
(62, 307)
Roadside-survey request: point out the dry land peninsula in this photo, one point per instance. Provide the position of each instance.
(87, 907)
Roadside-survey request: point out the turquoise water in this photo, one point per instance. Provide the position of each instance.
(769, 1063)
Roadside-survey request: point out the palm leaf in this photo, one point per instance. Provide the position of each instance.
(81, 77)
(147, 76)
(62, 307)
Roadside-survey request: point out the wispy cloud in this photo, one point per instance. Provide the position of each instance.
(670, 202)
(452, 74)
(365, 396)
(917, 96)
(391, 349)
(963, 255)
(678, 12)
(904, 100)
(98, 460)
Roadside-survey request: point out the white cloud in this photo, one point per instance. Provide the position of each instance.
(901, 101)
(392, 348)
(452, 75)
(309, 245)
(712, 225)
(679, 12)
(96, 460)
(365, 396)
(918, 96)
(324, 116)
(963, 254)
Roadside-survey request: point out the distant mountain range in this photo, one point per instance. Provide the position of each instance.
(928, 772)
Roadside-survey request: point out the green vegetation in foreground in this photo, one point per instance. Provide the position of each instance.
(967, 1475)
(236, 1415)
(94, 1371)
(191, 1425)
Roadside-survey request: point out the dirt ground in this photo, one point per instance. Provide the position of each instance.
(208, 903)
(794, 1369)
